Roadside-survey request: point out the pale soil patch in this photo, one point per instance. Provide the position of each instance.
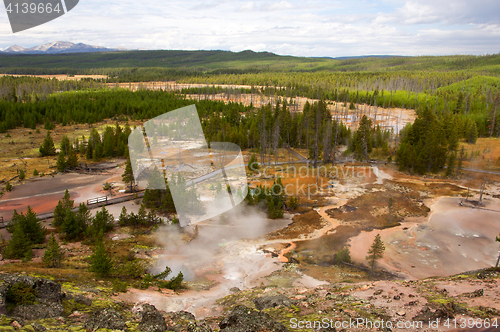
(455, 239)
(61, 77)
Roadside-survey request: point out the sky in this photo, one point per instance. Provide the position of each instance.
(316, 28)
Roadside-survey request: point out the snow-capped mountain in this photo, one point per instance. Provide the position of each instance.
(57, 47)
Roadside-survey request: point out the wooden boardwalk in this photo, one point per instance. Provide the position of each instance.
(91, 203)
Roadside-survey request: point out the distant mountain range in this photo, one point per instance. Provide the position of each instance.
(58, 47)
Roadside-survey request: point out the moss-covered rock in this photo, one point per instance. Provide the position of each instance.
(243, 319)
(107, 318)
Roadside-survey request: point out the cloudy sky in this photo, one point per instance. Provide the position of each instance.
(288, 27)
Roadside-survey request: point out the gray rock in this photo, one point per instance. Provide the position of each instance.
(38, 311)
(78, 298)
(106, 318)
(48, 290)
(265, 302)
(38, 328)
(198, 327)
(243, 319)
(184, 315)
(48, 297)
(152, 320)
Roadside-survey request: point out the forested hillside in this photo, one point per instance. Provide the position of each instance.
(457, 96)
(143, 65)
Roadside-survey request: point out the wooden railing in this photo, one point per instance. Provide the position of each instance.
(97, 200)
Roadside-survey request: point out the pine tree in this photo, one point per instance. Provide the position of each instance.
(32, 227)
(175, 283)
(253, 165)
(128, 174)
(123, 219)
(75, 224)
(376, 251)
(472, 132)
(22, 175)
(451, 163)
(89, 153)
(100, 262)
(61, 162)
(53, 254)
(62, 208)
(72, 161)
(97, 152)
(271, 209)
(47, 148)
(65, 145)
(8, 186)
(19, 245)
(102, 222)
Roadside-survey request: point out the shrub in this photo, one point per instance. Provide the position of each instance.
(343, 255)
(119, 286)
(22, 175)
(293, 203)
(176, 282)
(106, 186)
(19, 294)
(35, 172)
(8, 186)
(130, 269)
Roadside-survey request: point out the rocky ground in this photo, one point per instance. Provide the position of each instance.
(65, 306)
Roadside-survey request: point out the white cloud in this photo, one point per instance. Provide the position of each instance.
(312, 28)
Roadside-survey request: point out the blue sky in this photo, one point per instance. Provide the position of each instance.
(287, 27)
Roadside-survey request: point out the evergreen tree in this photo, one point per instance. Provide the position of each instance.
(109, 142)
(65, 145)
(32, 227)
(19, 245)
(75, 224)
(123, 219)
(62, 208)
(61, 162)
(100, 262)
(128, 174)
(451, 163)
(341, 256)
(175, 283)
(97, 152)
(8, 186)
(89, 152)
(102, 222)
(376, 251)
(362, 143)
(72, 161)
(53, 254)
(253, 165)
(22, 175)
(271, 209)
(472, 132)
(47, 148)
